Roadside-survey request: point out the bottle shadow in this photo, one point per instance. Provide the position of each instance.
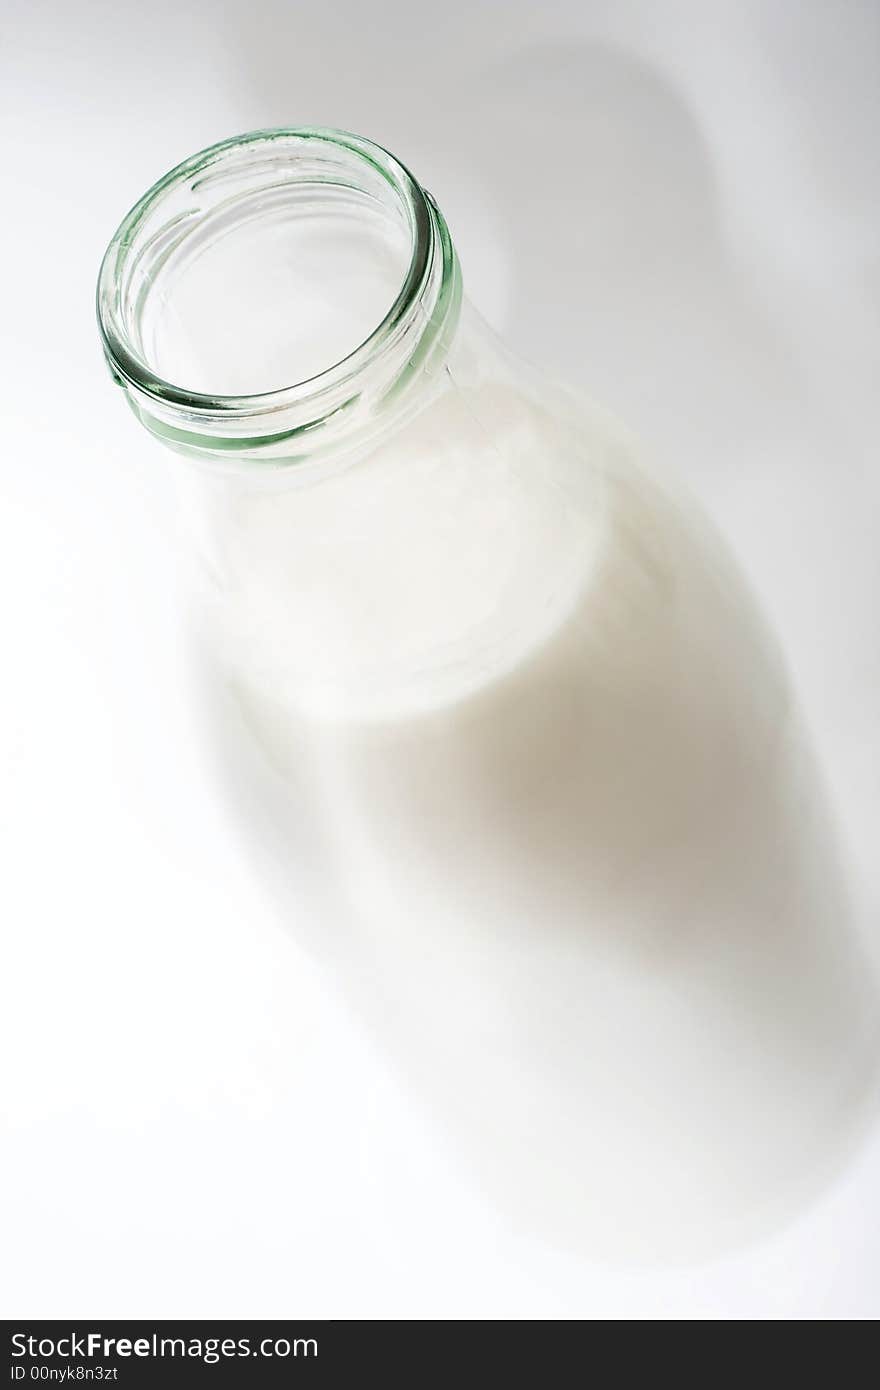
(618, 274)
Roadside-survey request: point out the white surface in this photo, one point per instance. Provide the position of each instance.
(683, 215)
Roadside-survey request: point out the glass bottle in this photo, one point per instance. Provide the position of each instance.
(526, 744)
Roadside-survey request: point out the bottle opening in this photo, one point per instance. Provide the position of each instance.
(273, 288)
(266, 275)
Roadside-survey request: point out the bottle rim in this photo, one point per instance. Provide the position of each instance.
(400, 341)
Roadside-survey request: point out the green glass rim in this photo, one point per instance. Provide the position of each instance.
(131, 370)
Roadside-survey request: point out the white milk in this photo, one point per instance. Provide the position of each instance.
(582, 881)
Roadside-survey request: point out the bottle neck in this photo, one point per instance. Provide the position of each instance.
(223, 226)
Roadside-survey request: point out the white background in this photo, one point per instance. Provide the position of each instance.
(676, 204)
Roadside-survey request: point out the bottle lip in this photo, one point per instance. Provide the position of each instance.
(180, 414)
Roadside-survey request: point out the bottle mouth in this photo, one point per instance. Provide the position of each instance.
(276, 284)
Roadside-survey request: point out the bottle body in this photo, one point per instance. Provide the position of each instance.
(538, 750)
(583, 883)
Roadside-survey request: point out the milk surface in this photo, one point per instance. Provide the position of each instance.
(583, 883)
